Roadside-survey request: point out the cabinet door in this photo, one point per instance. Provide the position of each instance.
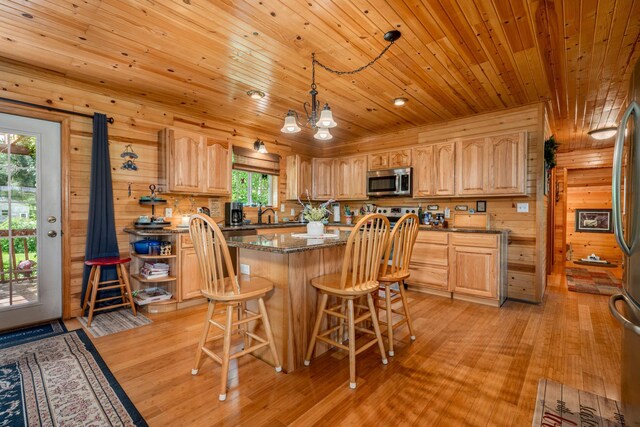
(185, 162)
(378, 161)
(358, 190)
(190, 277)
(292, 192)
(400, 159)
(507, 163)
(217, 167)
(322, 179)
(423, 171)
(304, 177)
(474, 271)
(444, 169)
(471, 167)
(342, 178)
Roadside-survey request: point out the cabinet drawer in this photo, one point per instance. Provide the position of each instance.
(475, 240)
(185, 241)
(430, 277)
(430, 254)
(436, 237)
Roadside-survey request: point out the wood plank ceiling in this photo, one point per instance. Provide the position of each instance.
(455, 58)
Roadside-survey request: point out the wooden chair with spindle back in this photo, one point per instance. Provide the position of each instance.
(231, 293)
(358, 278)
(395, 269)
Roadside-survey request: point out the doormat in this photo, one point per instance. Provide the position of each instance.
(592, 282)
(61, 380)
(31, 333)
(560, 405)
(114, 321)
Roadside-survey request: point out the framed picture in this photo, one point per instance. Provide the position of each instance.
(433, 207)
(594, 220)
(481, 206)
(462, 207)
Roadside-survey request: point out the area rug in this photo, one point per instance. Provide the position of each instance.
(114, 321)
(61, 380)
(592, 282)
(31, 333)
(560, 405)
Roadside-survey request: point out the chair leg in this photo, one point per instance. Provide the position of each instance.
(226, 353)
(269, 333)
(243, 328)
(343, 306)
(376, 328)
(316, 329)
(387, 291)
(94, 295)
(127, 287)
(405, 305)
(87, 293)
(352, 343)
(203, 338)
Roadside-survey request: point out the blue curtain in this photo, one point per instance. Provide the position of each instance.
(101, 231)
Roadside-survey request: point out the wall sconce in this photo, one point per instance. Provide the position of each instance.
(259, 146)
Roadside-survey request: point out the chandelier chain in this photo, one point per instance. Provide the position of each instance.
(357, 70)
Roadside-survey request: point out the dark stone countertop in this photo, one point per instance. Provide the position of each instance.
(285, 243)
(178, 230)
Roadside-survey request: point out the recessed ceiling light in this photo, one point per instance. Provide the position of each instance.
(255, 94)
(398, 102)
(603, 133)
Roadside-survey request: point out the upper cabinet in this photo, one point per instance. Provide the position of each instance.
(340, 179)
(507, 163)
(193, 163)
(390, 159)
(423, 171)
(298, 177)
(472, 167)
(322, 171)
(433, 170)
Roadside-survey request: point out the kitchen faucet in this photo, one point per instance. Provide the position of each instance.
(260, 212)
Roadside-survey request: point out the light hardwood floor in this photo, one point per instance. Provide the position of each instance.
(470, 365)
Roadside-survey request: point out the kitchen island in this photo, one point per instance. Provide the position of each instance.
(290, 263)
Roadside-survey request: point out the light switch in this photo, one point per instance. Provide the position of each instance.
(168, 212)
(244, 269)
(523, 207)
(282, 207)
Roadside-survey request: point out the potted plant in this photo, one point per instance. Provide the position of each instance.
(315, 216)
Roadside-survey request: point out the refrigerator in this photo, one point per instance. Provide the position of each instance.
(625, 306)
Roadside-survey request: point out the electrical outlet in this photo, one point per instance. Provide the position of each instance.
(522, 207)
(244, 269)
(168, 212)
(282, 207)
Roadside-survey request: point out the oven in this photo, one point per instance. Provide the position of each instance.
(390, 182)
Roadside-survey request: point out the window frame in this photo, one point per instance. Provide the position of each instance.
(272, 199)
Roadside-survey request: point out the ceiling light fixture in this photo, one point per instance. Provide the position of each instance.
(255, 94)
(399, 102)
(259, 146)
(325, 122)
(603, 133)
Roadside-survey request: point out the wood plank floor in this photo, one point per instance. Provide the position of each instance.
(470, 365)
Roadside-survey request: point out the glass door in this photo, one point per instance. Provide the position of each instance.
(30, 244)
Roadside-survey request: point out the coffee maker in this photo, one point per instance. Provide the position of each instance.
(233, 213)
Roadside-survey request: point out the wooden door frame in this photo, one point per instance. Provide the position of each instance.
(65, 144)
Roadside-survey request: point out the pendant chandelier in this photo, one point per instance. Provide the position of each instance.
(324, 121)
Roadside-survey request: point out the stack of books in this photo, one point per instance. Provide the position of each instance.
(154, 270)
(149, 295)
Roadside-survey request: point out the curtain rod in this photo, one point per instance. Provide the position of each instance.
(59, 110)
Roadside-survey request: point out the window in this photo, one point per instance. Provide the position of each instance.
(251, 188)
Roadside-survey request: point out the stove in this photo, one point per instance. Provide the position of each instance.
(394, 213)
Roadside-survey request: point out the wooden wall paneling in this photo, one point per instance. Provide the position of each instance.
(540, 208)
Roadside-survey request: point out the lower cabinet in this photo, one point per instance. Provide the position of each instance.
(190, 277)
(474, 271)
(430, 261)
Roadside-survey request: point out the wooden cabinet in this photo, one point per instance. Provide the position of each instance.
(423, 171)
(189, 162)
(507, 163)
(322, 171)
(298, 177)
(433, 170)
(358, 187)
(390, 159)
(429, 265)
(472, 167)
(342, 178)
(190, 277)
(475, 265)
(378, 161)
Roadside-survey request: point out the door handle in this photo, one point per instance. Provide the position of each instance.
(52, 233)
(619, 316)
(52, 219)
(634, 108)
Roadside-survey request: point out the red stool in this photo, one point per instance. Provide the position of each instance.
(94, 286)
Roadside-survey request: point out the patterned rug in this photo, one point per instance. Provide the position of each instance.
(560, 405)
(114, 321)
(61, 380)
(31, 333)
(592, 282)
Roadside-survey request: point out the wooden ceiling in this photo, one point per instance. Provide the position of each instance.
(455, 57)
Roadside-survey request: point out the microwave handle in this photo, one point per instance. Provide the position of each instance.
(397, 190)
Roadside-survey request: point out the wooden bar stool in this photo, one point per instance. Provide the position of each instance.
(358, 278)
(231, 293)
(95, 285)
(395, 269)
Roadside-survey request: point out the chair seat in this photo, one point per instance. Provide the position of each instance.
(113, 260)
(250, 287)
(393, 277)
(330, 283)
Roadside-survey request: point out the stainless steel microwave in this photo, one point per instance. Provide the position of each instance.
(389, 182)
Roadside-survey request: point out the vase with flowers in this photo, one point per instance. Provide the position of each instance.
(315, 215)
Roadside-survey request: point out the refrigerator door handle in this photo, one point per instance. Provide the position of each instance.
(634, 108)
(619, 316)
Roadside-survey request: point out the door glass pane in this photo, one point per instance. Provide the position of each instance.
(18, 220)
